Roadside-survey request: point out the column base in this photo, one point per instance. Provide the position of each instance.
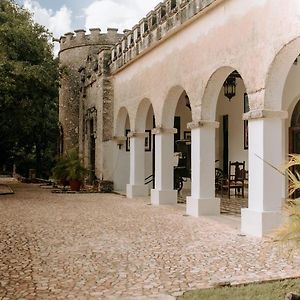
(133, 191)
(202, 207)
(163, 197)
(257, 223)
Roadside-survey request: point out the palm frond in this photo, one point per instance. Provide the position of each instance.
(289, 233)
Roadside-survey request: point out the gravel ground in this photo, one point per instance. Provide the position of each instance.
(104, 246)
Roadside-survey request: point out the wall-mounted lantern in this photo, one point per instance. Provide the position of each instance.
(230, 87)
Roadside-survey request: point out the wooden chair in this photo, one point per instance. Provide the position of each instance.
(236, 178)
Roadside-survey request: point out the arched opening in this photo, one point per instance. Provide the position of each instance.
(291, 103)
(144, 123)
(182, 148)
(121, 151)
(177, 114)
(122, 121)
(294, 131)
(281, 85)
(294, 138)
(225, 100)
(290, 95)
(283, 94)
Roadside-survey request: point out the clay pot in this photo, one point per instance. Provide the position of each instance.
(75, 185)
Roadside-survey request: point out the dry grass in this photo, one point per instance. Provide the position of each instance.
(263, 291)
(289, 233)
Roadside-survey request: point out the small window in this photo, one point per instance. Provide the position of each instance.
(163, 12)
(153, 20)
(145, 27)
(173, 4)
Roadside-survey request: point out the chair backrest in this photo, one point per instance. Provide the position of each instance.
(237, 170)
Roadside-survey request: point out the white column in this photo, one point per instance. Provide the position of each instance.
(203, 201)
(164, 167)
(136, 186)
(266, 184)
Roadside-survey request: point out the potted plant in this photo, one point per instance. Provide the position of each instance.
(75, 170)
(69, 170)
(60, 172)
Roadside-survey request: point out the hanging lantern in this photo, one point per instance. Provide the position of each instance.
(230, 87)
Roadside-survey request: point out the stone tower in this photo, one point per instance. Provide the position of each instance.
(75, 48)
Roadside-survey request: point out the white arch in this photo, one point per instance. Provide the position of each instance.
(121, 121)
(278, 73)
(212, 91)
(169, 106)
(141, 115)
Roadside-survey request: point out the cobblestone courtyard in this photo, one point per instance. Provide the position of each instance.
(94, 246)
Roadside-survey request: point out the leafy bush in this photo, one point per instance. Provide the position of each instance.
(70, 167)
(60, 171)
(75, 168)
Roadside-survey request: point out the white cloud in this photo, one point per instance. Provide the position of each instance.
(122, 14)
(58, 22)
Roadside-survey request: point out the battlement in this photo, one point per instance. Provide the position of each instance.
(164, 18)
(79, 38)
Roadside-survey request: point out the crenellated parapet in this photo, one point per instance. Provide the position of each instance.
(81, 64)
(166, 17)
(79, 38)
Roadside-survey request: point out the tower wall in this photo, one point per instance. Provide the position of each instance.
(74, 50)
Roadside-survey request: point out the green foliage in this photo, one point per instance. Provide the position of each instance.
(60, 171)
(69, 167)
(75, 168)
(28, 91)
(289, 233)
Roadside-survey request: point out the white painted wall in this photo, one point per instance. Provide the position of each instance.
(190, 57)
(121, 169)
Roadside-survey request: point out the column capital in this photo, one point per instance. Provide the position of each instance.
(161, 130)
(265, 114)
(203, 123)
(119, 138)
(133, 134)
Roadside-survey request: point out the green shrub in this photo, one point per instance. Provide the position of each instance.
(69, 167)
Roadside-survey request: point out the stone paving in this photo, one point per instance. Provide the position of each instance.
(103, 246)
(230, 206)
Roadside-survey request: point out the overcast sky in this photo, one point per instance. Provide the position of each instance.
(61, 16)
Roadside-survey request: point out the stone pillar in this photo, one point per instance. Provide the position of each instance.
(266, 184)
(164, 192)
(137, 187)
(202, 201)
